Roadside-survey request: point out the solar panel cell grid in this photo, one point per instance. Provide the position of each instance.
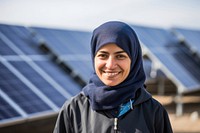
(81, 68)
(39, 82)
(178, 71)
(20, 37)
(154, 37)
(5, 50)
(64, 42)
(193, 66)
(56, 45)
(20, 93)
(60, 76)
(6, 111)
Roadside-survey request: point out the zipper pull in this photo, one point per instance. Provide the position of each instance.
(115, 124)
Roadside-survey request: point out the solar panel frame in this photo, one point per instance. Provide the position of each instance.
(5, 50)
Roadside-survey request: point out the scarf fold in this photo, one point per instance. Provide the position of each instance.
(104, 97)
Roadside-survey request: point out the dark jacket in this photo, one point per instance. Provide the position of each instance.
(147, 116)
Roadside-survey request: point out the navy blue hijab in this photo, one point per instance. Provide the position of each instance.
(104, 97)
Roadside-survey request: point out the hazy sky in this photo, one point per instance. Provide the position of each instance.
(88, 14)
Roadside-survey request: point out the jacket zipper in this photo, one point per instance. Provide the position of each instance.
(115, 125)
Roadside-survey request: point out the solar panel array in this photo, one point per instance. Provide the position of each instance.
(173, 58)
(70, 48)
(30, 82)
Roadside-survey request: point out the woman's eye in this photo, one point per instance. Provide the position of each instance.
(121, 56)
(103, 56)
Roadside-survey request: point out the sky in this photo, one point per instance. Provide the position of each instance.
(88, 14)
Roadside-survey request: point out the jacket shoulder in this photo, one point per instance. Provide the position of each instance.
(78, 101)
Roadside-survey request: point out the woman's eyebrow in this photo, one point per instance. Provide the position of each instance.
(101, 51)
(107, 52)
(119, 52)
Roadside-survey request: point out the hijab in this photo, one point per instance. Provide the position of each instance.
(101, 96)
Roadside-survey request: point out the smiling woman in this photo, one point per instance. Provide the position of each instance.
(115, 99)
(112, 64)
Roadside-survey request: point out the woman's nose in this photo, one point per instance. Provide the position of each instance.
(111, 63)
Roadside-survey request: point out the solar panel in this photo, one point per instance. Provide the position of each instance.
(20, 93)
(21, 37)
(165, 51)
(65, 42)
(190, 37)
(59, 76)
(40, 82)
(154, 37)
(7, 111)
(30, 80)
(82, 68)
(70, 47)
(5, 50)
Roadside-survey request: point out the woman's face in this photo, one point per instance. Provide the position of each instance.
(112, 64)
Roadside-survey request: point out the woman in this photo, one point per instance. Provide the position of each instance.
(115, 99)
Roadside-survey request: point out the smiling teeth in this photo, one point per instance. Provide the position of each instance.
(110, 74)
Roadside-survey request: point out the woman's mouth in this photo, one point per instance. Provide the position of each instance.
(110, 74)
